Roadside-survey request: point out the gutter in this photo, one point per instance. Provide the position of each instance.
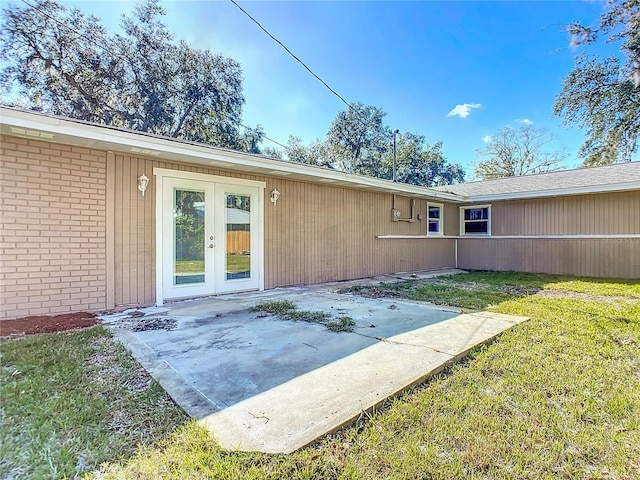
(60, 130)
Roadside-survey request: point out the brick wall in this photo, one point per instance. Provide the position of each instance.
(52, 228)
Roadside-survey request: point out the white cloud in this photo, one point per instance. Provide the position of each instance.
(526, 121)
(486, 138)
(464, 110)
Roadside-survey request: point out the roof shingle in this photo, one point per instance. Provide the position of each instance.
(620, 173)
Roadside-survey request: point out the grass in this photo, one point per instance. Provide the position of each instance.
(555, 397)
(238, 263)
(276, 307)
(287, 310)
(71, 401)
(189, 266)
(235, 264)
(479, 290)
(341, 324)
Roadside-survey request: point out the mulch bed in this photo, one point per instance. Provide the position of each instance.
(46, 324)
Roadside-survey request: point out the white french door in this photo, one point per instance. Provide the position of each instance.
(188, 237)
(209, 235)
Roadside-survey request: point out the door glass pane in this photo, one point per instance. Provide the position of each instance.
(238, 244)
(188, 228)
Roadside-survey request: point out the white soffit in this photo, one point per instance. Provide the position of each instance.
(72, 132)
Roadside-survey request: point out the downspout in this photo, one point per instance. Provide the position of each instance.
(456, 250)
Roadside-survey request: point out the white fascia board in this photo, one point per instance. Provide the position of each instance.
(516, 237)
(100, 137)
(615, 187)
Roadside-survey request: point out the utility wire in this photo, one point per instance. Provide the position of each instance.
(121, 57)
(292, 54)
(263, 135)
(363, 118)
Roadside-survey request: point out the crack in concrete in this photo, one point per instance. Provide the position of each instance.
(395, 342)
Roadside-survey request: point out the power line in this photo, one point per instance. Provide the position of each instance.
(292, 54)
(263, 135)
(363, 118)
(121, 57)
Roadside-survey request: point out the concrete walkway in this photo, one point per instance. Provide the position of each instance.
(260, 383)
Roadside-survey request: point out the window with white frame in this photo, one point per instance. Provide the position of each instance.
(434, 219)
(475, 220)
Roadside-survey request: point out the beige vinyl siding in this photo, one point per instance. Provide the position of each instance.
(76, 234)
(604, 213)
(134, 227)
(52, 228)
(134, 233)
(320, 234)
(314, 234)
(590, 257)
(582, 215)
(451, 219)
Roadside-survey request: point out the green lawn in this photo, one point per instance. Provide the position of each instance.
(189, 266)
(235, 264)
(238, 263)
(555, 397)
(70, 401)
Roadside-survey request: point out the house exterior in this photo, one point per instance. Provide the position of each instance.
(96, 218)
(583, 222)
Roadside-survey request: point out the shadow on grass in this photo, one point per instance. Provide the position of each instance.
(482, 289)
(512, 409)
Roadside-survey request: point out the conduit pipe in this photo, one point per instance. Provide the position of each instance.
(396, 214)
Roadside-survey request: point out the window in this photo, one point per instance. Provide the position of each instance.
(238, 244)
(434, 219)
(475, 220)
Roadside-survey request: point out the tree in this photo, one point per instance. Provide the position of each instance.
(66, 63)
(518, 152)
(359, 142)
(356, 133)
(272, 152)
(317, 153)
(603, 95)
(419, 163)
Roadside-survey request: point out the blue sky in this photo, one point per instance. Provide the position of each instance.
(456, 72)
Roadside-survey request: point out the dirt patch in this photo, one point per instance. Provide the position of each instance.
(585, 296)
(142, 324)
(46, 324)
(520, 291)
(373, 292)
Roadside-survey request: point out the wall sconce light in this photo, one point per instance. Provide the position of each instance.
(143, 182)
(275, 195)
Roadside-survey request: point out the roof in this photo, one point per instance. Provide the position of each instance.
(609, 178)
(37, 125)
(237, 216)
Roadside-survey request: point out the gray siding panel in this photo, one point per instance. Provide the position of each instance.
(589, 257)
(596, 214)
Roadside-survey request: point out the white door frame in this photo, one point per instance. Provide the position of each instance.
(169, 288)
(162, 173)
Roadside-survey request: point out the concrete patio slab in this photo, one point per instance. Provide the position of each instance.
(260, 383)
(300, 411)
